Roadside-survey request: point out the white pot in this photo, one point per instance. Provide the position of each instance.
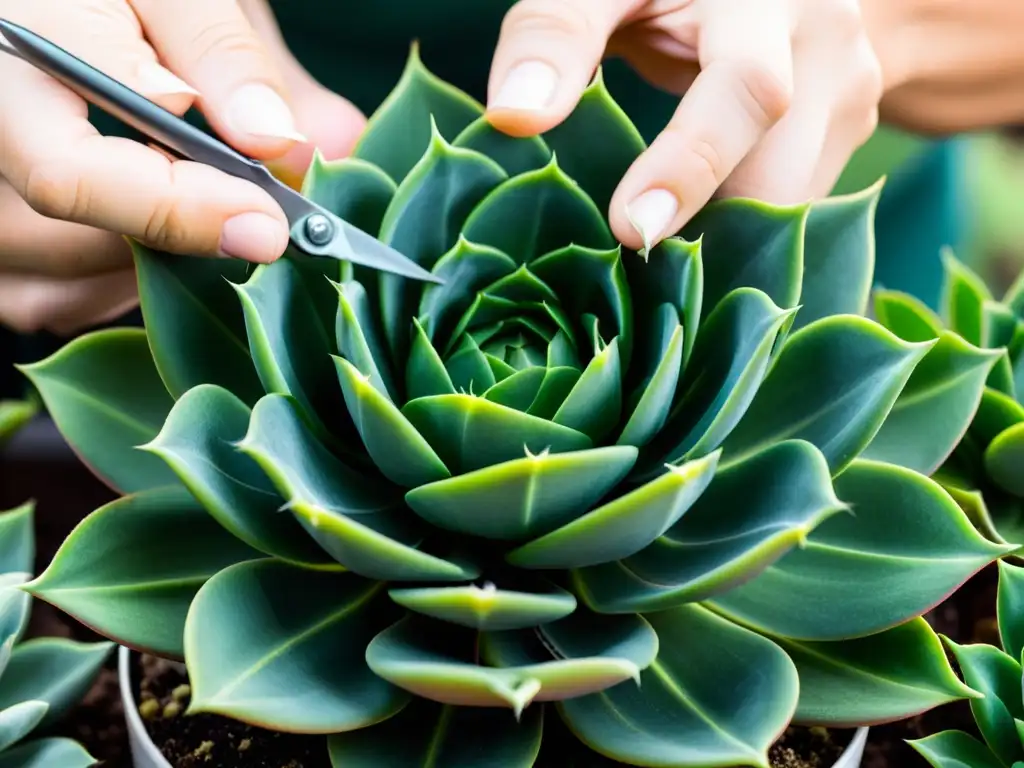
(146, 755)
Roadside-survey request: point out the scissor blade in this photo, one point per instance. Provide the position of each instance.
(352, 244)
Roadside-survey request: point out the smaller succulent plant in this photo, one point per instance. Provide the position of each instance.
(985, 474)
(40, 679)
(997, 674)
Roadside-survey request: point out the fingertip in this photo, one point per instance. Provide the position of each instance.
(253, 236)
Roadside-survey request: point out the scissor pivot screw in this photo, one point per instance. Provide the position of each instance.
(319, 229)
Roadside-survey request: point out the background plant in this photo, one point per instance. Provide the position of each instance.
(996, 673)
(985, 473)
(40, 679)
(658, 506)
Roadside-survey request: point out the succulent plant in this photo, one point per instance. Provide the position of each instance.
(985, 474)
(574, 500)
(996, 673)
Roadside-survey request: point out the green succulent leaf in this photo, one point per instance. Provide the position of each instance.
(359, 339)
(52, 670)
(963, 297)
(399, 131)
(514, 154)
(891, 675)
(906, 316)
(1004, 460)
(755, 245)
(47, 753)
(397, 449)
(996, 412)
(751, 514)
(197, 442)
(18, 720)
(294, 658)
(621, 527)
(426, 735)
(15, 609)
(350, 188)
(422, 223)
(425, 374)
(681, 714)
(195, 327)
(1010, 608)
(363, 526)
(487, 608)
(955, 749)
(859, 370)
(658, 390)
(468, 367)
(536, 213)
(594, 404)
(18, 539)
(935, 408)
(132, 567)
(106, 397)
(434, 660)
(522, 497)
(472, 433)
(15, 414)
(881, 572)
(998, 676)
(839, 256)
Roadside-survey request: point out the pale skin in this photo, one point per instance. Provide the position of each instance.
(775, 95)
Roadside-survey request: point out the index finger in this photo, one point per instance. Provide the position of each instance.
(743, 89)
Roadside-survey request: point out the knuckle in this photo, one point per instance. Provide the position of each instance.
(766, 96)
(845, 18)
(560, 17)
(709, 162)
(167, 226)
(220, 39)
(55, 190)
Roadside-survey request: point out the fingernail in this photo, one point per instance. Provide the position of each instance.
(258, 110)
(155, 80)
(528, 87)
(253, 237)
(651, 213)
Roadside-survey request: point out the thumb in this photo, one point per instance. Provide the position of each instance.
(546, 56)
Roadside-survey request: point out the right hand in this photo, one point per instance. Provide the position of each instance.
(67, 194)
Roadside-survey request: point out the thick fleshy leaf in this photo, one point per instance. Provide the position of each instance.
(15, 414)
(363, 525)
(996, 412)
(891, 675)
(290, 346)
(535, 213)
(998, 676)
(859, 368)
(131, 568)
(839, 256)
(596, 121)
(47, 753)
(52, 670)
(685, 713)
(936, 406)
(963, 297)
(15, 609)
(523, 497)
(350, 188)
(197, 442)
(434, 660)
(906, 316)
(18, 720)
(1010, 608)
(881, 571)
(621, 527)
(423, 222)
(293, 660)
(488, 608)
(516, 155)
(18, 539)
(194, 324)
(1004, 460)
(751, 514)
(359, 337)
(397, 449)
(468, 367)
(655, 397)
(728, 365)
(425, 374)
(428, 735)
(106, 397)
(519, 389)
(955, 749)
(754, 245)
(399, 131)
(471, 433)
(594, 404)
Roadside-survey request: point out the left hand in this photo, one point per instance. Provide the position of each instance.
(777, 95)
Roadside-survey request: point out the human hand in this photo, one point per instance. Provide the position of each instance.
(67, 194)
(777, 94)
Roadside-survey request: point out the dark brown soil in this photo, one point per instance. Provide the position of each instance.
(809, 748)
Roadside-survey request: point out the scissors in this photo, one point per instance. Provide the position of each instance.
(314, 230)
